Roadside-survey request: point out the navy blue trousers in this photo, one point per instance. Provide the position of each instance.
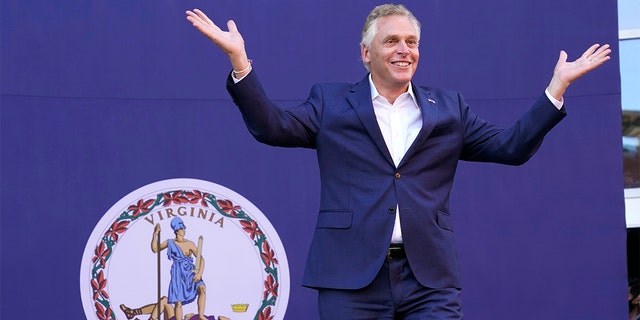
(393, 295)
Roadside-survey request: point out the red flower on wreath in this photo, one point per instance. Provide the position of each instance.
(251, 227)
(265, 314)
(228, 207)
(268, 256)
(141, 207)
(116, 229)
(197, 196)
(99, 284)
(102, 312)
(101, 252)
(176, 198)
(270, 287)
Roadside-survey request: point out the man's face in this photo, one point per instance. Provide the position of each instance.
(393, 54)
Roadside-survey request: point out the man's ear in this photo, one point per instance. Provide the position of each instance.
(364, 51)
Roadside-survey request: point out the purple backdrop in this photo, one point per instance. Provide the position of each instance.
(102, 97)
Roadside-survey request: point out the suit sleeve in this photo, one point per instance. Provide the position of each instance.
(515, 145)
(269, 123)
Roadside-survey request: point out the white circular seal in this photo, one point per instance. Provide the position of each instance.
(233, 260)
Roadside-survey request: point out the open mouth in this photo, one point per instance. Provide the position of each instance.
(401, 63)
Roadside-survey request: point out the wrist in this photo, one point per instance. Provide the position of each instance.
(557, 88)
(239, 72)
(239, 61)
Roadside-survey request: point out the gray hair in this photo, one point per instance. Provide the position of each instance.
(370, 26)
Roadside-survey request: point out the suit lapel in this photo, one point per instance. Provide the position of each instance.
(360, 100)
(429, 110)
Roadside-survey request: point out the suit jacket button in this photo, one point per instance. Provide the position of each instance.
(397, 175)
(392, 210)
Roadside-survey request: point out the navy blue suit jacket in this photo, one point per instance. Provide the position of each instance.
(360, 185)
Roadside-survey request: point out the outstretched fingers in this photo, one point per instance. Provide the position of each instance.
(202, 16)
(596, 55)
(200, 20)
(590, 50)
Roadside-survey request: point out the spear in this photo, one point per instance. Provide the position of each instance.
(158, 246)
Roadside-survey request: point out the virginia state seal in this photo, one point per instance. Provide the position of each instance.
(184, 249)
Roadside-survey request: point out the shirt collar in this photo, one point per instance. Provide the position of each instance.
(375, 93)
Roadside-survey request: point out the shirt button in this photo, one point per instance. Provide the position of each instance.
(397, 175)
(392, 210)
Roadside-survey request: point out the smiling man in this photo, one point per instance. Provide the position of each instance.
(390, 51)
(383, 245)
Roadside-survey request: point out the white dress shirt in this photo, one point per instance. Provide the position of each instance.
(400, 124)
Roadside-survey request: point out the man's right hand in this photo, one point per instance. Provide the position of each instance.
(230, 42)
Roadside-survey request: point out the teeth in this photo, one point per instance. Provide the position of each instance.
(401, 64)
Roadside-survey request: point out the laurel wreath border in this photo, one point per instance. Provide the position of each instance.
(104, 249)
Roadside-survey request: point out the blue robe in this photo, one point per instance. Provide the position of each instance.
(181, 287)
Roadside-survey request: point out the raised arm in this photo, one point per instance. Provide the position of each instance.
(567, 72)
(154, 240)
(230, 42)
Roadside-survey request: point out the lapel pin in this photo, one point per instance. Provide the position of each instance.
(431, 101)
